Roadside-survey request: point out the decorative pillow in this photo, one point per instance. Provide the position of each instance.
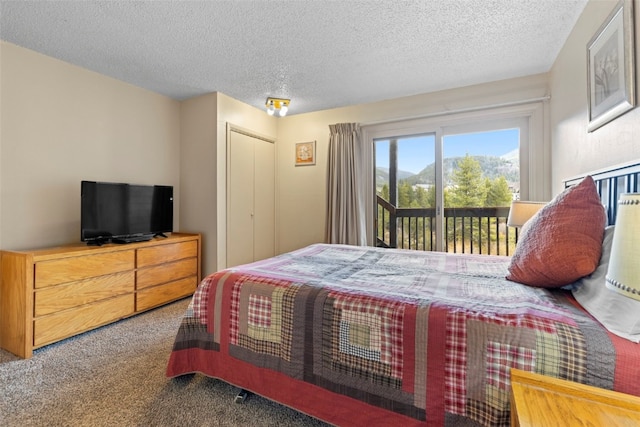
(617, 313)
(562, 242)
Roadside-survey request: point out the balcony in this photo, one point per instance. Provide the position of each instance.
(466, 230)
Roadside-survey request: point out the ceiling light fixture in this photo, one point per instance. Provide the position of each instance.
(279, 105)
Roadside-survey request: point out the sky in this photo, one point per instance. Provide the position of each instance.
(415, 153)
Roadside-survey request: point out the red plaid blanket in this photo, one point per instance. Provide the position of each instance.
(381, 335)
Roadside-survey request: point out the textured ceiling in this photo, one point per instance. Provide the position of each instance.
(321, 54)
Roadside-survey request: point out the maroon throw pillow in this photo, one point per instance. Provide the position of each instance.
(562, 242)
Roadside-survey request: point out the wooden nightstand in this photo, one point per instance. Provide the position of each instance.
(540, 401)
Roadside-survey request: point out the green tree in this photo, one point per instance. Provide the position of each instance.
(422, 198)
(498, 192)
(468, 189)
(384, 192)
(431, 197)
(405, 194)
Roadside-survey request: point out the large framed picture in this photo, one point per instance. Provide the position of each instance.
(611, 67)
(305, 153)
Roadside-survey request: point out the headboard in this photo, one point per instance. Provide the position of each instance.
(611, 183)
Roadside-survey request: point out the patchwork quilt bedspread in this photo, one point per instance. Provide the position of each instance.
(357, 335)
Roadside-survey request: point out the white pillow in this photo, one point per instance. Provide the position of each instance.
(616, 312)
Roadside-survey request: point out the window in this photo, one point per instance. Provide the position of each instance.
(447, 183)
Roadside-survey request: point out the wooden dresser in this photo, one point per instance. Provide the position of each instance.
(541, 401)
(47, 295)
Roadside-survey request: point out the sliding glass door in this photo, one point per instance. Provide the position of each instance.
(449, 189)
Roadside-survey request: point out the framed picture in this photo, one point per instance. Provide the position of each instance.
(305, 153)
(611, 67)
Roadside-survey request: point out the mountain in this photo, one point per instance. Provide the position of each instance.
(382, 175)
(492, 167)
(512, 156)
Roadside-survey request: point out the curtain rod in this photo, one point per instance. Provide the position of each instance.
(459, 110)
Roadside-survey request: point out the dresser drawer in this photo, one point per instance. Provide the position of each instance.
(72, 269)
(158, 295)
(70, 322)
(57, 298)
(166, 253)
(168, 272)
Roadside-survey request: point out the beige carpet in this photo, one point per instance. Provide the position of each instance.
(114, 376)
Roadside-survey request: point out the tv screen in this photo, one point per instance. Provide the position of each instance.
(121, 213)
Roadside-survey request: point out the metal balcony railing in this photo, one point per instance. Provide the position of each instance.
(466, 230)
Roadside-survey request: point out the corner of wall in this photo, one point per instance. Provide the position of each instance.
(198, 140)
(203, 166)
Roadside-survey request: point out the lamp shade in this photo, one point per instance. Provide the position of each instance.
(522, 211)
(623, 275)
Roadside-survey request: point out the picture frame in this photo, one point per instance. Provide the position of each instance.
(305, 153)
(611, 67)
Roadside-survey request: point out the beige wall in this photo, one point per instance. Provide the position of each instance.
(574, 150)
(61, 124)
(302, 190)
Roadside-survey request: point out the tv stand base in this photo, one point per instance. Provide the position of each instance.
(97, 242)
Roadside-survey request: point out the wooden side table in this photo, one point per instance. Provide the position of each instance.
(541, 401)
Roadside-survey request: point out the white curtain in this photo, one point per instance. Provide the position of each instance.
(345, 207)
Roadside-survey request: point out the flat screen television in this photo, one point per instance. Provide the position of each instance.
(124, 213)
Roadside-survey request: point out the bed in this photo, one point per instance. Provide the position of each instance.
(372, 336)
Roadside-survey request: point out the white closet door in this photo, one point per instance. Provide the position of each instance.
(250, 199)
(240, 213)
(264, 200)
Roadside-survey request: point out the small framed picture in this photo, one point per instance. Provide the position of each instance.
(611, 67)
(305, 153)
